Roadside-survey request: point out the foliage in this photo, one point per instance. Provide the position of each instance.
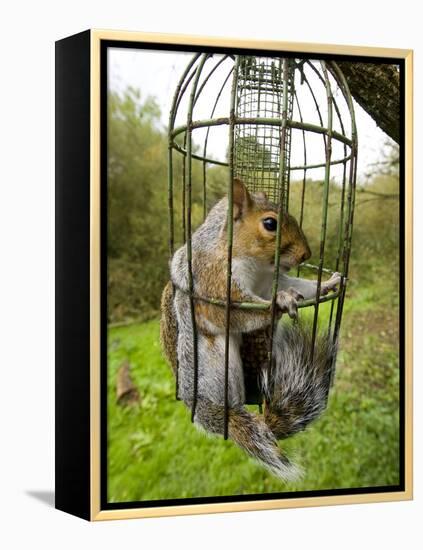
(137, 206)
(376, 225)
(388, 163)
(137, 182)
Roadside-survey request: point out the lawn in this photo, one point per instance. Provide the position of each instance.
(154, 452)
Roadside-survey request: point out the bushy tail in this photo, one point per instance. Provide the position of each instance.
(296, 389)
(247, 430)
(295, 392)
(250, 432)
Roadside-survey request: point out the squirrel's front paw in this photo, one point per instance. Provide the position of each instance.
(287, 301)
(331, 284)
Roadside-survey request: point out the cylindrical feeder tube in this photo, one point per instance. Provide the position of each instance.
(281, 211)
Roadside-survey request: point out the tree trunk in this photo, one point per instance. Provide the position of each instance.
(375, 87)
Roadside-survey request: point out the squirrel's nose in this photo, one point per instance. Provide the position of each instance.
(305, 256)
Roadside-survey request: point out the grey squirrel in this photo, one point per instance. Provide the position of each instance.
(296, 390)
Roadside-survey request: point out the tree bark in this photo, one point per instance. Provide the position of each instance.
(376, 89)
(126, 391)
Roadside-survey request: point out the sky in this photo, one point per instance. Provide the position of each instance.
(156, 73)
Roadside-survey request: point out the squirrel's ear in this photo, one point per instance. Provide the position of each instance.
(241, 197)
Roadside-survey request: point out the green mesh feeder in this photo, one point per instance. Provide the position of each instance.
(284, 120)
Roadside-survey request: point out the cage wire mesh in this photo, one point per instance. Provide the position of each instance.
(285, 118)
(258, 146)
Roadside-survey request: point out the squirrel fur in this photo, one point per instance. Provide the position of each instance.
(296, 389)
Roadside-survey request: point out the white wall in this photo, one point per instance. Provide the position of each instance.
(28, 32)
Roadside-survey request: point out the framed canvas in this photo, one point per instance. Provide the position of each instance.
(192, 174)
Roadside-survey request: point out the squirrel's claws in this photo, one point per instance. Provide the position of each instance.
(295, 294)
(287, 302)
(331, 284)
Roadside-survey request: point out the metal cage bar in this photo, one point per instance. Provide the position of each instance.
(263, 121)
(344, 161)
(188, 159)
(325, 201)
(172, 115)
(337, 73)
(303, 187)
(206, 140)
(229, 232)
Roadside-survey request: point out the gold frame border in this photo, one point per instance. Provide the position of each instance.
(158, 38)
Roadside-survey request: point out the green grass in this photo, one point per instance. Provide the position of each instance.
(154, 452)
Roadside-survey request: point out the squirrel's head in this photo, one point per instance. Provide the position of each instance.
(254, 230)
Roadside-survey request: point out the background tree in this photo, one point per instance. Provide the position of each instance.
(376, 88)
(137, 206)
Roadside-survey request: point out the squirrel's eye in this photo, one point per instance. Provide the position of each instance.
(270, 224)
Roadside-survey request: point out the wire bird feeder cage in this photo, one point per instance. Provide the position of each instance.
(285, 121)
